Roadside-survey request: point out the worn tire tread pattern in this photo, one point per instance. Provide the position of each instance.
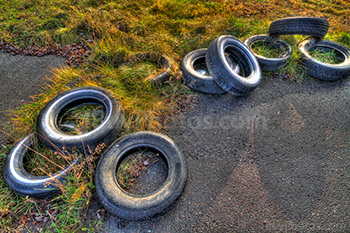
(313, 26)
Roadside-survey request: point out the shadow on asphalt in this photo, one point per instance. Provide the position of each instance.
(276, 160)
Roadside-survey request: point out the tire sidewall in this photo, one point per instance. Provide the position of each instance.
(221, 71)
(133, 207)
(26, 184)
(268, 64)
(51, 136)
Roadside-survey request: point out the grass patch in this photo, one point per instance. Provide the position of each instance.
(265, 49)
(325, 56)
(41, 161)
(81, 119)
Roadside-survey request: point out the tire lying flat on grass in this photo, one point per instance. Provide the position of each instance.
(25, 184)
(220, 52)
(321, 70)
(106, 132)
(312, 26)
(266, 63)
(160, 60)
(136, 207)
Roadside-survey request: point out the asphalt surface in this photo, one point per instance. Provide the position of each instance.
(276, 160)
(20, 78)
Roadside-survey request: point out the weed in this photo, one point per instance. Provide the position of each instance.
(325, 56)
(81, 119)
(270, 50)
(132, 167)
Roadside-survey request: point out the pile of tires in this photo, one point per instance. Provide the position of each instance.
(314, 27)
(112, 196)
(25, 184)
(226, 66)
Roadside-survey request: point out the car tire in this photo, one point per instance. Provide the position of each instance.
(218, 53)
(270, 64)
(196, 73)
(311, 26)
(160, 60)
(136, 207)
(25, 184)
(105, 133)
(325, 71)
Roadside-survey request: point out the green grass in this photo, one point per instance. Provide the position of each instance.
(41, 161)
(81, 119)
(325, 56)
(267, 49)
(119, 29)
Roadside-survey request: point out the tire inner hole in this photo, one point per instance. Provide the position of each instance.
(200, 66)
(327, 55)
(81, 116)
(142, 171)
(234, 56)
(269, 49)
(42, 161)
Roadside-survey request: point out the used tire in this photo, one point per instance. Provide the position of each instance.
(196, 73)
(325, 71)
(106, 132)
(136, 207)
(160, 60)
(25, 184)
(312, 26)
(226, 48)
(269, 64)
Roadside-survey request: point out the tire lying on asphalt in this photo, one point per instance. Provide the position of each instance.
(312, 26)
(55, 138)
(269, 64)
(325, 71)
(136, 207)
(25, 184)
(196, 73)
(160, 60)
(219, 54)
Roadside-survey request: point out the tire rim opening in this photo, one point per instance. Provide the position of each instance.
(327, 55)
(81, 116)
(234, 56)
(41, 161)
(200, 66)
(142, 171)
(269, 49)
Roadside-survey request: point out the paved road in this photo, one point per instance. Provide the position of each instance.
(277, 160)
(20, 78)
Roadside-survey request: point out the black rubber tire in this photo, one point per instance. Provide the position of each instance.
(197, 81)
(105, 133)
(324, 71)
(136, 207)
(160, 60)
(269, 64)
(223, 74)
(25, 184)
(312, 26)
